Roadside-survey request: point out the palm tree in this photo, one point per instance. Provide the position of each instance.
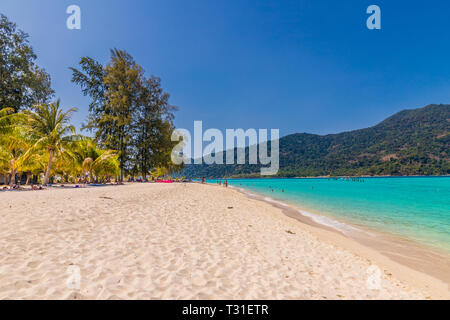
(34, 165)
(13, 149)
(8, 119)
(51, 130)
(92, 160)
(4, 126)
(3, 163)
(5, 117)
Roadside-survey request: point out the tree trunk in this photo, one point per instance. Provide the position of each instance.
(121, 156)
(28, 178)
(12, 182)
(49, 167)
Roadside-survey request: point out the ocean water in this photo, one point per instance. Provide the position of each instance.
(416, 208)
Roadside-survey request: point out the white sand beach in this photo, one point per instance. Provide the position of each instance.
(183, 241)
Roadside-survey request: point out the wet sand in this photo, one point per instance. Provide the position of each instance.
(430, 261)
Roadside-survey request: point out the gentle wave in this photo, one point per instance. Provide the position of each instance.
(322, 220)
(326, 221)
(415, 208)
(276, 202)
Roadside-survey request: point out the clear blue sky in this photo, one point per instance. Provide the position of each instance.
(301, 66)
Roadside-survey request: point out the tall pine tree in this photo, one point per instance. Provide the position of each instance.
(153, 127)
(128, 112)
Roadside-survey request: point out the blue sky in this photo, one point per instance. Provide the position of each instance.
(300, 66)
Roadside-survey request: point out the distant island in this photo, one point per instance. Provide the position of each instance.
(409, 143)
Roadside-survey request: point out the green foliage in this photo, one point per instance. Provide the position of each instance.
(37, 137)
(7, 120)
(22, 83)
(13, 147)
(85, 157)
(128, 112)
(411, 142)
(51, 131)
(153, 127)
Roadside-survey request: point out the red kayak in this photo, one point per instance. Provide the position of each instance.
(164, 181)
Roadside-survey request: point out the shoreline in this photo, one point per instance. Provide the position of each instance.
(393, 252)
(323, 177)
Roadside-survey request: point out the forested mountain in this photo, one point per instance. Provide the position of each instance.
(411, 142)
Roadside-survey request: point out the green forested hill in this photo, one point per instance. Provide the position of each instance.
(411, 142)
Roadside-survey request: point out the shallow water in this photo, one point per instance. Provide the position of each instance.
(416, 208)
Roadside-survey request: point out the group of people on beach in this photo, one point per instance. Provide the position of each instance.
(17, 188)
(219, 182)
(225, 183)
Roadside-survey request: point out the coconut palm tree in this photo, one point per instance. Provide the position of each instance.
(3, 163)
(66, 166)
(92, 160)
(11, 146)
(14, 146)
(5, 119)
(4, 126)
(51, 130)
(8, 119)
(34, 165)
(109, 168)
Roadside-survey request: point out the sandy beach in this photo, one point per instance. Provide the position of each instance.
(184, 241)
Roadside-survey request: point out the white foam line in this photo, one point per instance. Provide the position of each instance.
(323, 220)
(340, 226)
(276, 202)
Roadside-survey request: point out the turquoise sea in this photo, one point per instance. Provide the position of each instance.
(416, 208)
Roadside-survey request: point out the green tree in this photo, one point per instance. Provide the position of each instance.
(13, 141)
(153, 127)
(123, 82)
(90, 78)
(14, 146)
(128, 112)
(6, 120)
(92, 160)
(22, 82)
(51, 131)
